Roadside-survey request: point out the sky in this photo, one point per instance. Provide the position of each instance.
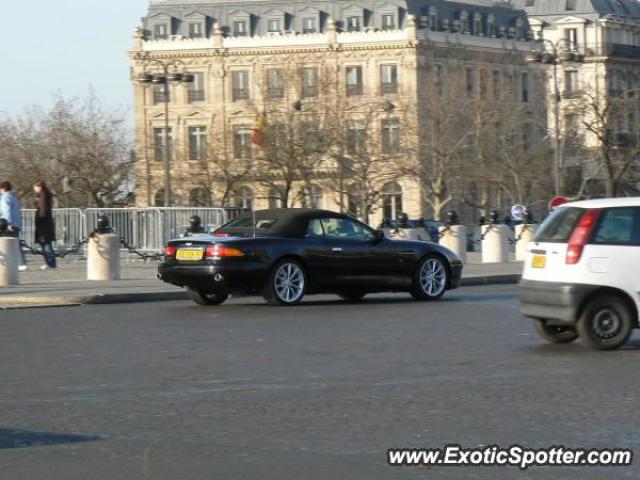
(66, 47)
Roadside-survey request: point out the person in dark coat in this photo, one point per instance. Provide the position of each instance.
(45, 226)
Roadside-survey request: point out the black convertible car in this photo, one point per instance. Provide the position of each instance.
(287, 253)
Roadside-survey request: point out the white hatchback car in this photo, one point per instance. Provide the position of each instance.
(582, 273)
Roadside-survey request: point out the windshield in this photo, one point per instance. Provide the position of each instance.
(558, 226)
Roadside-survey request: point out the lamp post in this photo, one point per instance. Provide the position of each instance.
(171, 72)
(559, 52)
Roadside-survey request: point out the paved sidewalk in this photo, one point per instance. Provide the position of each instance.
(67, 285)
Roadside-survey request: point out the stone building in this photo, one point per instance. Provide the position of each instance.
(366, 57)
(597, 45)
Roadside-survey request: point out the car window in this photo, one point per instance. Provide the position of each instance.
(315, 228)
(558, 226)
(618, 226)
(345, 228)
(247, 222)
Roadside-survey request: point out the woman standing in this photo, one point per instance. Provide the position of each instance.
(45, 227)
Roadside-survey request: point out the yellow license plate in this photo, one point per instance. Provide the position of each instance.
(189, 254)
(539, 261)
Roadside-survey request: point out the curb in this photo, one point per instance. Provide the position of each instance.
(13, 302)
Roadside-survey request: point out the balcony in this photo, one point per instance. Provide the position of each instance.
(240, 94)
(354, 89)
(309, 91)
(388, 88)
(196, 96)
(616, 50)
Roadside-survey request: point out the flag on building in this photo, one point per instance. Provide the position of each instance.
(258, 130)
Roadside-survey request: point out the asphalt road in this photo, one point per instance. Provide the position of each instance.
(246, 391)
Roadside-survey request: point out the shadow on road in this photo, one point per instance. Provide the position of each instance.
(10, 438)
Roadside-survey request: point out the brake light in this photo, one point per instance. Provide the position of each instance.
(221, 251)
(581, 234)
(170, 251)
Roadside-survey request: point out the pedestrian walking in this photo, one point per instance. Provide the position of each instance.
(10, 211)
(45, 226)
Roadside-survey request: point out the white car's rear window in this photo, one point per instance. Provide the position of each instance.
(558, 226)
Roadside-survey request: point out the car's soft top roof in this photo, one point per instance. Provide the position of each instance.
(291, 222)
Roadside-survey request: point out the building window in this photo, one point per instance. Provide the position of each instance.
(433, 19)
(496, 83)
(388, 22)
(309, 25)
(437, 79)
(160, 148)
(390, 136)
(470, 79)
(196, 30)
(199, 197)
(242, 146)
(243, 198)
(240, 28)
(354, 24)
(275, 198)
(391, 200)
(274, 25)
(570, 5)
(240, 85)
(198, 143)
(491, 26)
(525, 87)
(160, 31)
(570, 83)
(312, 197)
(309, 82)
(161, 93)
(196, 88)
(354, 81)
(275, 83)
(571, 38)
(356, 140)
(388, 79)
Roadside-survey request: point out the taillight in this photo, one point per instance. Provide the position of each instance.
(170, 251)
(581, 234)
(222, 251)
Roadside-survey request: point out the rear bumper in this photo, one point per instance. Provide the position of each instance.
(242, 277)
(558, 302)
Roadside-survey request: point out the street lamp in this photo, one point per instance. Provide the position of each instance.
(560, 52)
(173, 72)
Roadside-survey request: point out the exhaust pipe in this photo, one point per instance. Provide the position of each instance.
(218, 277)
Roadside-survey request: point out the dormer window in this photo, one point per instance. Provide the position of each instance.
(354, 24)
(433, 19)
(570, 5)
(388, 21)
(491, 26)
(477, 24)
(309, 25)
(195, 30)
(274, 25)
(160, 31)
(240, 28)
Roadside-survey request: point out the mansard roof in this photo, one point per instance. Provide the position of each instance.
(592, 9)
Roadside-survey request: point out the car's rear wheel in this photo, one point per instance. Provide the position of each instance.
(430, 279)
(555, 333)
(286, 284)
(352, 296)
(206, 298)
(606, 322)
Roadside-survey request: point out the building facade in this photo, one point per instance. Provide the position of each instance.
(357, 65)
(597, 43)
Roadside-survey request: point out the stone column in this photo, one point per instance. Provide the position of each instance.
(103, 257)
(455, 239)
(525, 233)
(9, 260)
(495, 246)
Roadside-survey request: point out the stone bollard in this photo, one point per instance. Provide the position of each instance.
(9, 260)
(103, 257)
(525, 232)
(455, 239)
(495, 246)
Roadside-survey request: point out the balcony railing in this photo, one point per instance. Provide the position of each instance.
(196, 95)
(240, 94)
(274, 93)
(617, 50)
(388, 87)
(354, 89)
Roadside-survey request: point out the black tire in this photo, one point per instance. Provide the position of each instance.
(606, 322)
(206, 298)
(352, 296)
(555, 334)
(420, 289)
(276, 292)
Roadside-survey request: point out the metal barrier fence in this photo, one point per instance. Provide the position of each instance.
(146, 229)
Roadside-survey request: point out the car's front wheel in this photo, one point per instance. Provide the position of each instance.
(430, 279)
(606, 322)
(206, 298)
(554, 333)
(286, 284)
